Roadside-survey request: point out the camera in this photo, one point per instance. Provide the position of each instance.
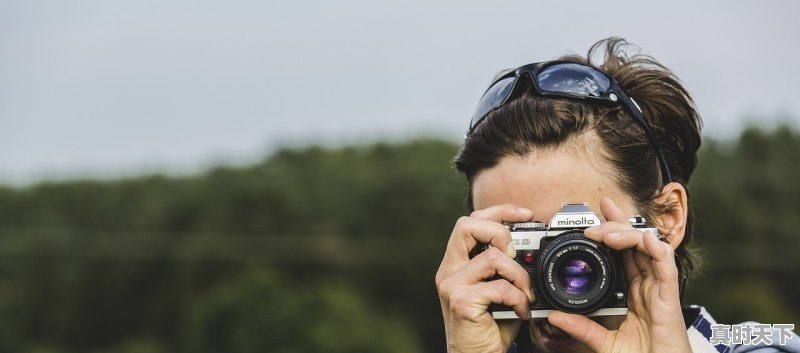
(568, 271)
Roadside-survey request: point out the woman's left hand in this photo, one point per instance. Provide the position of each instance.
(654, 322)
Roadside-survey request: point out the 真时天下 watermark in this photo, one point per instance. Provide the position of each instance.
(751, 334)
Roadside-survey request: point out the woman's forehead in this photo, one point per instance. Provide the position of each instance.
(544, 181)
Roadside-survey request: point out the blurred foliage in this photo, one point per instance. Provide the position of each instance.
(747, 198)
(330, 250)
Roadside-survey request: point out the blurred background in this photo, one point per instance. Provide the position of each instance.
(250, 176)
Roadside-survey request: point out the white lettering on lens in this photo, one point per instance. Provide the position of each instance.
(578, 301)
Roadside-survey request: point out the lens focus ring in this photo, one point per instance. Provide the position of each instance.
(575, 274)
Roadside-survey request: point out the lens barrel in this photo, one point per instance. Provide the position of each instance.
(576, 274)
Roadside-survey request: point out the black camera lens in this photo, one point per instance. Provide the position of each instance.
(576, 276)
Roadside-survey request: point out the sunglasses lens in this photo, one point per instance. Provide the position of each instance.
(493, 98)
(573, 79)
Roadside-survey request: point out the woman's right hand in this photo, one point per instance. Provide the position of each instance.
(465, 286)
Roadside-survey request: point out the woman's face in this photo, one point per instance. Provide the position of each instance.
(542, 181)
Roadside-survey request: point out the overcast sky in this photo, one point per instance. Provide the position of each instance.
(114, 88)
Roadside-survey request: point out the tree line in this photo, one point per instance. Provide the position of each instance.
(331, 249)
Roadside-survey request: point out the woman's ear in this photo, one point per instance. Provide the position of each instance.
(672, 223)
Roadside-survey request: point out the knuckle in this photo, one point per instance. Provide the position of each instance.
(494, 256)
(504, 288)
(463, 222)
(442, 287)
(512, 296)
(460, 301)
(500, 241)
(669, 250)
(496, 290)
(440, 276)
(503, 232)
(523, 277)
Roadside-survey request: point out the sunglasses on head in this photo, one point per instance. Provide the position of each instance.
(566, 79)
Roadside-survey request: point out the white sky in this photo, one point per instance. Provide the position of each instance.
(112, 88)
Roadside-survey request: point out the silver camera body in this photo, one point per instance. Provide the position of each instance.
(568, 271)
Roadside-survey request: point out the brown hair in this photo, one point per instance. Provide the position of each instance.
(517, 128)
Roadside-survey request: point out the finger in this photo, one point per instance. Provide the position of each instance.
(466, 235)
(469, 232)
(611, 212)
(644, 262)
(631, 269)
(598, 233)
(642, 255)
(504, 214)
(627, 239)
(484, 228)
(658, 250)
(472, 301)
(664, 267)
(497, 215)
(490, 263)
(634, 282)
(645, 256)
(582, 329)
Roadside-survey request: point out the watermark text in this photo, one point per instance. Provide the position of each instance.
(751, 334)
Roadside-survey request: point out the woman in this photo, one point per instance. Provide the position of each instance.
(622, 138)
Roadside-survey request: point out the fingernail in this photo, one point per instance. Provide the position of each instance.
(613, 235)
(592, 228)
(531, 298)
(512, 250)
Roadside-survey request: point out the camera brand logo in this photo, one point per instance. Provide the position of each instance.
(574, 219)
(576, 222)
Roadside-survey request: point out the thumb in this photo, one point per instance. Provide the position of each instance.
(581, 329)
